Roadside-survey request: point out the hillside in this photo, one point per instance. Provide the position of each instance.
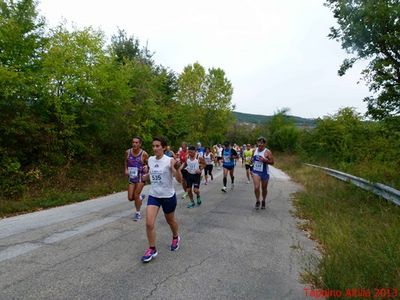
(259, 119)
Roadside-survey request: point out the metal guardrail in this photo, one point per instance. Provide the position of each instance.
(379, 189)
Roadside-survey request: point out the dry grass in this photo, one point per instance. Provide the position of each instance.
(358, 232)
(71, 184)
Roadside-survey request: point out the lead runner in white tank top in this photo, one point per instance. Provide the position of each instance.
(161, 177)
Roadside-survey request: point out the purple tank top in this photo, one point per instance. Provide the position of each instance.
(135, 166)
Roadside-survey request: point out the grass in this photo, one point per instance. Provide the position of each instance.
(358, 233)
(71, 184)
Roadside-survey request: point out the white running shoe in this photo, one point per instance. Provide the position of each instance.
(137, 216)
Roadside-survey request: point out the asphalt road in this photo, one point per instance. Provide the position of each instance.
(92, 249)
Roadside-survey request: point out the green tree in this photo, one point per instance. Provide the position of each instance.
(340, 137)
(205, 100)
(21, 48)
(217, 107)
(282, 132)
(129, 48)
(70, 68)
(370, 30)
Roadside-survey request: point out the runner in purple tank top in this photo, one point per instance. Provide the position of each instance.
(135, 160)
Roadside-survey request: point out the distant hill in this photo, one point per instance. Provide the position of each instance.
(260, 119)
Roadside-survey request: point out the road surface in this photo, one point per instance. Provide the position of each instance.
(92, 249)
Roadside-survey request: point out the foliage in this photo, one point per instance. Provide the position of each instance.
(282, 132)
(67, 98)
(346, 141)
(205, 100)
(243, 133)
(346, 222)
(261, 119)
(370, 30)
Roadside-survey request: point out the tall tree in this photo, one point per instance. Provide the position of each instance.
(190, 95)
(282, 132)
(217, 105)
(370, 29)
(21, 47)
(205, 100)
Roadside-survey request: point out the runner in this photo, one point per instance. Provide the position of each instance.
(200, 149)
(161, 170)
(229, 155)
(194, 165)
(248, 163)
(219, 155)
(182, 156)
(168, 152)
(262, 157)
(208, 158)
(243, 148)
(135, 160)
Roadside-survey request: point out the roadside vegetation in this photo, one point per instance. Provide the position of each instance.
(70, 103)
(358, 233)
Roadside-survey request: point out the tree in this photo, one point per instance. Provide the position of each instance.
(128, 48)
(21, 48)
(282, 132)
(205, 100)
(370, 30)
(216, 106)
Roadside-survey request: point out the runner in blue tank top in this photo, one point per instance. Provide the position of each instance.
(262, 157)
(228, 155)
(135, 160)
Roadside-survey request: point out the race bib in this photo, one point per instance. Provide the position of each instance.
(133, 172)
(248, 159)
(155, 176)
(258, 166)
(227, 159)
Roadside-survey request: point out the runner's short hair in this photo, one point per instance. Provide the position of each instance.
(137, 137)
(162, 140)
(261, 139)
(192, 148)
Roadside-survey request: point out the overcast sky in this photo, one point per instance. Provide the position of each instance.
(275, 52)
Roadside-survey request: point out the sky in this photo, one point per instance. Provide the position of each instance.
(276, 53)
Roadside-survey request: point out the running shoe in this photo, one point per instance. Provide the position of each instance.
(232, 186)
(149, 255)
(184, 195)
(198, 201)
(191, 204)
(224, 189)
(257, 207)
(142, 196)
(137, 216)
(248, 181)
(175, 244)
(205, 183)
(262, 204)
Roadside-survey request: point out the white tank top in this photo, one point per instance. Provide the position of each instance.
(192, 165)
(219, 151)
(258, 165)
(161, 177)
(207, 158)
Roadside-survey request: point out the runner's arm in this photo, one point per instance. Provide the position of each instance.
(176, 171)
(202, 164)
(234, 153)
(270, 158)
(126, 163)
